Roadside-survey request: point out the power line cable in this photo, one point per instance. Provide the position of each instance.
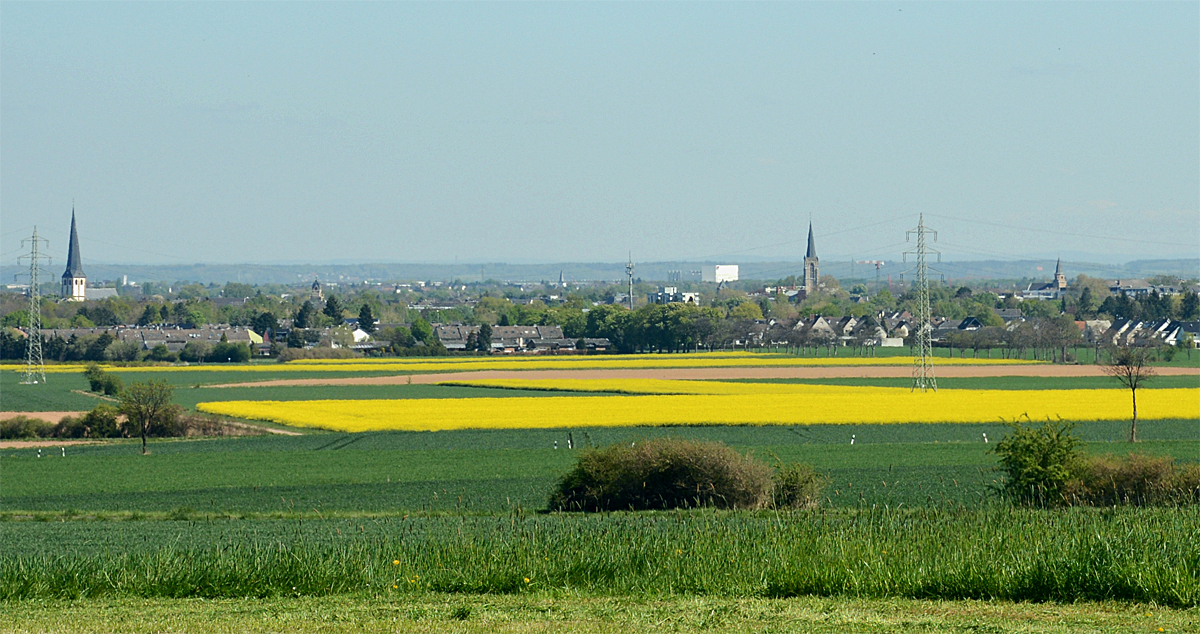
(1060, 233)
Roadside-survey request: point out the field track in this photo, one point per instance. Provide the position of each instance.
(49, 417)
(822, 372)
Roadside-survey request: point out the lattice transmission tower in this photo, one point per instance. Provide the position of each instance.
(629, 273)
(35, 369)
(923, 378)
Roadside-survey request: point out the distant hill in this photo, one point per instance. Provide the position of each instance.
(605, 271)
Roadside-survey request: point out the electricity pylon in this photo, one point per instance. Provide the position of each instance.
(629, 272)
(923, 378)
(35, 369)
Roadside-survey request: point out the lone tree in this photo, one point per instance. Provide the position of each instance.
(1131, 366)
(145, 404)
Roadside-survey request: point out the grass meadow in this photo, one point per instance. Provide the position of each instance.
(446, 531)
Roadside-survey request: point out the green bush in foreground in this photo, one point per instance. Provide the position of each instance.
(663, 473)
(1045, 467)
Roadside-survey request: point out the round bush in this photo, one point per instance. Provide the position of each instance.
(664, 473)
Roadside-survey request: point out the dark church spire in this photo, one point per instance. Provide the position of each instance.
(74, 261)
(812, 244)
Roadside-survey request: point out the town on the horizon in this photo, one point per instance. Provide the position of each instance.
(186, 321)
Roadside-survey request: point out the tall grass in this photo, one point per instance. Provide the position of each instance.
(1145, 555)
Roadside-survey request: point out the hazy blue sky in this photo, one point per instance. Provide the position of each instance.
(236, 132)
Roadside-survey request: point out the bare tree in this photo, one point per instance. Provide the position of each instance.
(145, 404)
(1131, 366)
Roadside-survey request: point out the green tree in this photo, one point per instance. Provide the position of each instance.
(237, 290)
(305, 315)
(265, 323)
(149, 316)
(422, 331)
(1131, 367)
(146, 404)
(295, 338)
(366, 319)
(161, 353)
(746, 310)
(484, 340)
(1087, 303)
(1189, 306)
(334, 309)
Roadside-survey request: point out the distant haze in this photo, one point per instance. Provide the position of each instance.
(572, 132)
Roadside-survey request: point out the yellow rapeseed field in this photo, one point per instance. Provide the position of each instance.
(745, 404)
(596, 362)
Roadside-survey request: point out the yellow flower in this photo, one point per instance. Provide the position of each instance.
(395, 562)
(395, 586)
(678, 552)
(526, 579)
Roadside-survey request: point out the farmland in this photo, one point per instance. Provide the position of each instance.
(910, 512)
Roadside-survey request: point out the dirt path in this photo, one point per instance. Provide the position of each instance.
(34, 444)
(49, 417)
(810, 372)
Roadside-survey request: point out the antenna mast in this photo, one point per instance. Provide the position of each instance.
(629, 273)
(35, 369)
(923, 378)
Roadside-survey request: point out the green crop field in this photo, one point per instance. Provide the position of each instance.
(910, 514)
(489, 471)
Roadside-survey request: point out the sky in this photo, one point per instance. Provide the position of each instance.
(551, 132)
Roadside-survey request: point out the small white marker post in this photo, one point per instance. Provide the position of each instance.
(64, 450)
(985, 439)
(852, 439)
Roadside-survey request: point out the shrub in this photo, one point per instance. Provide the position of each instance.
(1039, 462)
(292, 354)
(24, 427)
(170, 424)
(102, 382)
(797, 486)
(161, 353)
(664, 473)
(1137, 480)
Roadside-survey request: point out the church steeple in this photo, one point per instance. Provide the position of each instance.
(74, 281)
(74, 261)
(1060, 279)
(812, 265)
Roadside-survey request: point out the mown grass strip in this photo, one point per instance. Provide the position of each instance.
(569, 612)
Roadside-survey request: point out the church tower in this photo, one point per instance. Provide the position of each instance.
(74, 282)
(1060, 279)
(812, 266)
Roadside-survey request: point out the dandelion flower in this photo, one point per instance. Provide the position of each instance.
(395, 562)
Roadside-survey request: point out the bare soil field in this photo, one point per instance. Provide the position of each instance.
(815, 372)
(49, 417)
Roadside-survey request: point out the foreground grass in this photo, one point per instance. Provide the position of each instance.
(1136, 555)
(558, 612)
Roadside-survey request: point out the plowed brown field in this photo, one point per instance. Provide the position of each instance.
(826, 372)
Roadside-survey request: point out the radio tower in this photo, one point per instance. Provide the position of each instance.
(35, 369)
(629, 273)
(922, 367)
